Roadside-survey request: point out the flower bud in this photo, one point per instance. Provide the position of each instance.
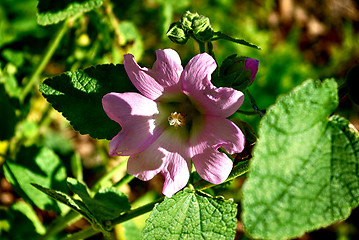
(238, 72)
(202, 29)
(187, 19)
(176, 34)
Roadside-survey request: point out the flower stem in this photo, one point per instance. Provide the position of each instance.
(247, 112)
(54, 43)
(202, 46)
(86, 233)
(108, 176)
(136, 212)
(254, 105)
(210, 49)
(60, 223)
(124, 180)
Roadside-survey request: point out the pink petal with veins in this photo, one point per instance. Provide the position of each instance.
(197, 85)
(137, 116)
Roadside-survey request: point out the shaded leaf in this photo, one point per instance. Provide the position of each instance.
(36, 165)
(21, 214)
(78, 96)
(192, 215)
(303, 175)
(8, 119)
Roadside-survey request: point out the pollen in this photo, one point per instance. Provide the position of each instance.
(176, 119)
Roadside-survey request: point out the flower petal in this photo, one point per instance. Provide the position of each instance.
(212, 165)
(163, 77)
(142, 80)
(138, 117)
(169, 154)
(176, 173)
(216, 132)
(147, 164)
(167, 69)
(196, 84)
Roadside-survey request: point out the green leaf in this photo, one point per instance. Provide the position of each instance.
(78, 96)
(15, 57)
(8, 119)
(74, 204)
(192, 215)
(131, 230)
(51, 12)
(235, 40)
(303, 175)
(36, 165)
(107, 204)
(131, 38)
(21, 214)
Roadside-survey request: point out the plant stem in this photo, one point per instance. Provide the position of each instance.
(136, 212)
(86, 233)
(108, 176)
(202, 46)
(124, 180)
(254, 105)
(54, 43)
(60, 223)
(210, 49)
(247, 112)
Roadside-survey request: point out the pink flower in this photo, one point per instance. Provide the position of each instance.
(179, 117)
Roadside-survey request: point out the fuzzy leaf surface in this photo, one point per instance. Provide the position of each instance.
(304, 172)
(52, 12)
(192, 215)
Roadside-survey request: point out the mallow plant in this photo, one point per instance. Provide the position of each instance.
(182, 120)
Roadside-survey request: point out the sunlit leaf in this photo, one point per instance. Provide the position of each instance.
(74, 204)
(192, 215)
(303, 174)
(107, 204)
(51, 12)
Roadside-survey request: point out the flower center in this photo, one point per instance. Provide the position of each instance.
(177, 119)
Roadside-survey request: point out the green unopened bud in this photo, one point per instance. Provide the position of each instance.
(187, 19)
(202, 29)
(176, 34)
(238, 72)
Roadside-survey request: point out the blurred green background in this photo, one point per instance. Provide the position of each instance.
(299, 40)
